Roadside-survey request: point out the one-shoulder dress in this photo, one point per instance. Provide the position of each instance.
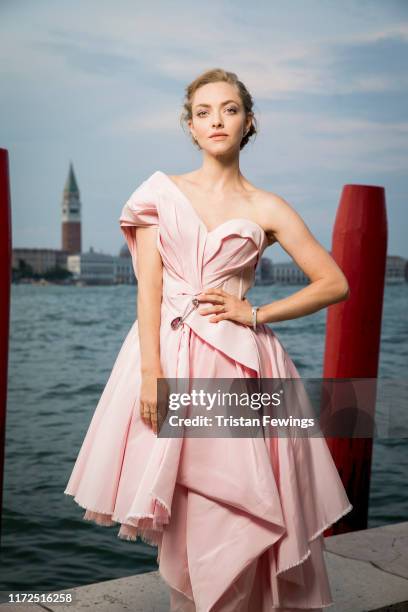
(238, 521)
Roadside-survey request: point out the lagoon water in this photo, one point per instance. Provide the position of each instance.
(63, 343)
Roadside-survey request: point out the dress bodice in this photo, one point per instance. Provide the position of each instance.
(195, 258)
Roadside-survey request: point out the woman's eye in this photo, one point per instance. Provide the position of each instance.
(231, 108)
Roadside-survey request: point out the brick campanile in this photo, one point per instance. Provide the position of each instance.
(71, 215)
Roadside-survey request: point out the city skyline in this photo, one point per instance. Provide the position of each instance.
(93, 266)
(72, 235)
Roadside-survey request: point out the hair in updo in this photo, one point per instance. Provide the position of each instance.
(214, 76)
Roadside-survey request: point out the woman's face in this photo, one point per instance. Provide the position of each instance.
(217, 107)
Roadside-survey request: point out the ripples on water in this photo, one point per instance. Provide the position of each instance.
(63, 344)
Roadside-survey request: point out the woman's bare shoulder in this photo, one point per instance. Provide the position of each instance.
(270, 199)
(273, 211)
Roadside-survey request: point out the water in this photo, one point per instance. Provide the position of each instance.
(63, 344)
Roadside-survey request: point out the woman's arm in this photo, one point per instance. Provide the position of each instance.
(328, 284)
(149, 297)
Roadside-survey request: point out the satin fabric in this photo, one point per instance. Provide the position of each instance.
(238, 521)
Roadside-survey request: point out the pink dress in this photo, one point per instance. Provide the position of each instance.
(238, 521)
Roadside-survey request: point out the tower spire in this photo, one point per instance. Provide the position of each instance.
(71, 214)
(71, 185)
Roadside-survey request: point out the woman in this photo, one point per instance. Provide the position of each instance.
(238, 521)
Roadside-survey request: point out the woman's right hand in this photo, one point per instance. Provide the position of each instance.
(148, 399)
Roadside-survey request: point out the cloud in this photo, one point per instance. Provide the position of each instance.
(104, 84)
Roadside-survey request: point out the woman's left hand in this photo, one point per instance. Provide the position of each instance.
(225, 306)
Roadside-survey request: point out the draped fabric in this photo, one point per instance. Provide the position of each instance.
(238, 522)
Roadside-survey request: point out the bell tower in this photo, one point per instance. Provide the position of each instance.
(71, 215)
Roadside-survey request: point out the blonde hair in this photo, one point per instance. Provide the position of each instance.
(216, 75)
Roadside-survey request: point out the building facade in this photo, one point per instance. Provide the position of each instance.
(288, 273)
(397, 269)
(124, 273)
(40, 260)
(94, 268)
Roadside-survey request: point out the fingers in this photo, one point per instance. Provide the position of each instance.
(224, 306)
(144, 413)
(213, 309)
(148, 413)
(220, 317)
(153, 419)
(155, 406)
(216, 299)
(213, 295)
(219, 298)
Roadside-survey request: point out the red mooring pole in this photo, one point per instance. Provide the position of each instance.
(353, 330)
(5, 281)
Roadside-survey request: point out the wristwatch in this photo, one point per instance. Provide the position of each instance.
(254, 311)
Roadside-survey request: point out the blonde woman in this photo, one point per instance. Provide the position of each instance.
(238, 521)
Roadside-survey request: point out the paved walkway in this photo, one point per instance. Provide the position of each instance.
(368, 571)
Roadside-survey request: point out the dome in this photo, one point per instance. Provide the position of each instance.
(124, 251)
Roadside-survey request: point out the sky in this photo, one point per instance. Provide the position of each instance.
(102, 84)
